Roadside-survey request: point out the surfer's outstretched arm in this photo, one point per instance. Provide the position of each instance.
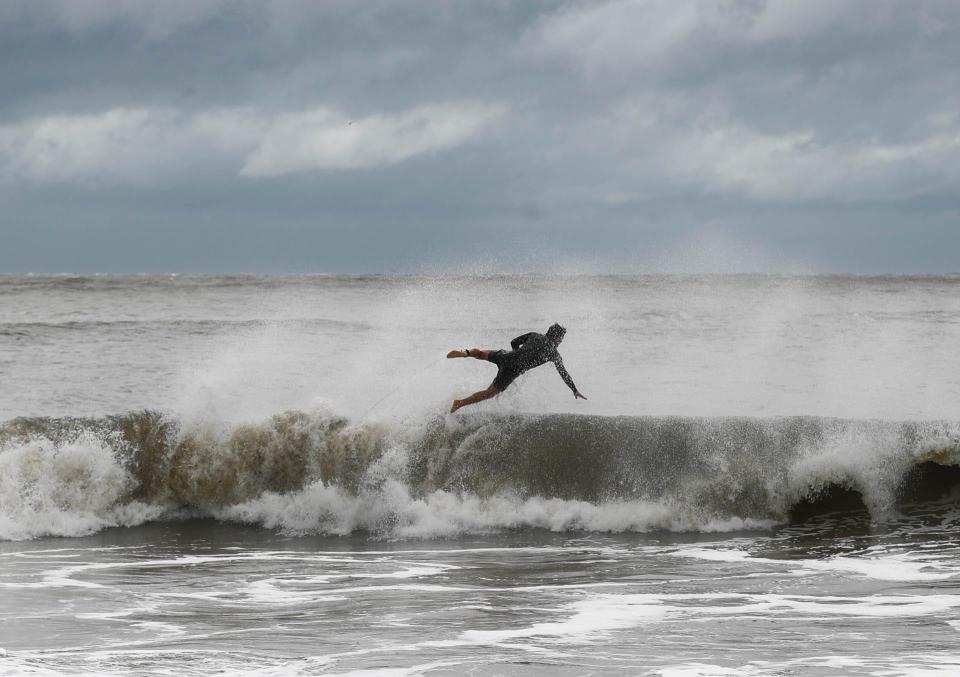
(479, 396)
(566, 378)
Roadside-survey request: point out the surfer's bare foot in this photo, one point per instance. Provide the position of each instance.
(454, 406)
(457, 353)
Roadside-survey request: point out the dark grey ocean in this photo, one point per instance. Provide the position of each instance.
(248, 476)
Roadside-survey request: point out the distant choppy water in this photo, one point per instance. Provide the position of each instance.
(256, 476)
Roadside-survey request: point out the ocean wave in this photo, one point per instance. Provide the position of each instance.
(316, 472)
(69, 488)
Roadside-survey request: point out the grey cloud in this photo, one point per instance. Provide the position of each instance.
(155, 20)
(778, 100)
(553, 129)
(149, 145)
(324, 139)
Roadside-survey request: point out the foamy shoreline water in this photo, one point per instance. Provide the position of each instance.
(202, 596)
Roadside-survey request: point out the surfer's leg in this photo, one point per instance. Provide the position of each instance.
(479, 396)
(475, 353)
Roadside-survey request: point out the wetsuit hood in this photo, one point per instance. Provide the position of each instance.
(555, 334)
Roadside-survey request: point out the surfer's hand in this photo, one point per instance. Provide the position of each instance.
(457, 353)
(578, 395)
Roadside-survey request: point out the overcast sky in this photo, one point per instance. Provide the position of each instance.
(441, 136)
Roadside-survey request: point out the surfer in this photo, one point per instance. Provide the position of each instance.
(527, 351)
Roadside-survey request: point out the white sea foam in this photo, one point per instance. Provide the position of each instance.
(862, 457)
(591, 617)
(907, 665)
(697, 670)
(892, 567)
(68, 489)
(392, 511)
(907, 566)
(156, 661)
(608, 612)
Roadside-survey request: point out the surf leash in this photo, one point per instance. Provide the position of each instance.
(420, 372)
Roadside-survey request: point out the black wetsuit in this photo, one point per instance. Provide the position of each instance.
(529, 351)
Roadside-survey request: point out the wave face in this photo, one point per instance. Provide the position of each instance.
(319, 473)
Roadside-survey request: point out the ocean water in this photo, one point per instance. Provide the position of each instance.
(257, 476)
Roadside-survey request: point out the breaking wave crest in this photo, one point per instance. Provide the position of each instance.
(321, 473)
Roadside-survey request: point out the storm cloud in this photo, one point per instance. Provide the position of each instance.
(382, 136)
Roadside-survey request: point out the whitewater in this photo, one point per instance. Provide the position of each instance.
(256, 475)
